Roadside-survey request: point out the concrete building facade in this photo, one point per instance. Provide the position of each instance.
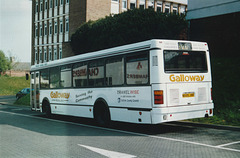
(54, 21)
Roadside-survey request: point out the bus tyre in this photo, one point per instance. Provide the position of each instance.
(102, 114)
(47, 109)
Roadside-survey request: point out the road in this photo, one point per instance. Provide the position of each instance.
(7, 99)
(24, 133)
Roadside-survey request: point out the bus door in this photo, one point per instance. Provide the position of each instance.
(35, 91)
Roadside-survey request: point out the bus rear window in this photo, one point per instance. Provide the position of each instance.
(185, 61)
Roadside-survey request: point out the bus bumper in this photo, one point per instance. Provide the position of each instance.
(177, 113)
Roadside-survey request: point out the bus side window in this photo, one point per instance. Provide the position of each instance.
(79, 73)
(115, 71)
(54, 77)
(96, 73)
(66, 79)
(137, 69)
(44, 79)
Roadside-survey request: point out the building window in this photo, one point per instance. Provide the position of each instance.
(67, 1)
(36, 9)
(40, 33)
(40, 55)
(151, 4)
(60, 52)
(61, 2)
(50, 28)
(142, 4)
(56, 3)
(36, 56)
(55, 53)
(45, 54)
(55, 27)
(51, 3)
(167, 8)
(175, 9)
(45, 30)
(132, 4)
(41, 5)
(159, 6)
(46, 4)
(67, 25)
(50, 54)
(36, 30)
(124, 4)
(182, 10)
(61, 26)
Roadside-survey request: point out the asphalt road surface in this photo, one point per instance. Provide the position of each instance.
(25, 133)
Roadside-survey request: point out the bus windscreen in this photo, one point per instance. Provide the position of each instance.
(185, 61)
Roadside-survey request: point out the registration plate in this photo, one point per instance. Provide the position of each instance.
(188, 94)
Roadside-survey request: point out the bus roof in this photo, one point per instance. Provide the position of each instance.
(125, 49)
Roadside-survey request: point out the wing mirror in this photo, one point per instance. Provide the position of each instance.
(27, 76)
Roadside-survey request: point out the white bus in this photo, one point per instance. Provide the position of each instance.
(147, 82)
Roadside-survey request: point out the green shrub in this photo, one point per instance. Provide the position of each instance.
(225, 77)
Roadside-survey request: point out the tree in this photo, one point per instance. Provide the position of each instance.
(5, 64)
(125, 28)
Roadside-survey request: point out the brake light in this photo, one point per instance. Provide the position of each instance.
(158, 97)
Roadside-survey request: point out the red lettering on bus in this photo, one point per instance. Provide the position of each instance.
(94, 71)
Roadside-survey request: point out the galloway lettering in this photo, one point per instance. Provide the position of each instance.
(186, 78)
(59, 95)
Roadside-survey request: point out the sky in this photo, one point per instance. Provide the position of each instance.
(15, 29)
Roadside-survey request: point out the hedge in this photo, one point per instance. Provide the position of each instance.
(128, 27)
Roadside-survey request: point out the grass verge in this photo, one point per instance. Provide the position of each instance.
(11, 85)
(25, 100)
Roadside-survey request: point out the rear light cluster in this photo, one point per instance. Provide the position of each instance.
(210, 111)
(158, 97)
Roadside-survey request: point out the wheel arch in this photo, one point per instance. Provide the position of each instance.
(45, 102)
(100, 102)
(101, 107)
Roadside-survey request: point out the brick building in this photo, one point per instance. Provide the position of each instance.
(54, 21)
(19, 69)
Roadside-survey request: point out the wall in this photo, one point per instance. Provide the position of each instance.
(13, 73)
(202, 8)
(98, 9)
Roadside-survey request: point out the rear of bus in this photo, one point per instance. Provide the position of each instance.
(181, 81)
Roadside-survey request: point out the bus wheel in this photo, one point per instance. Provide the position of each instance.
(102, 114)
(47, 109)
